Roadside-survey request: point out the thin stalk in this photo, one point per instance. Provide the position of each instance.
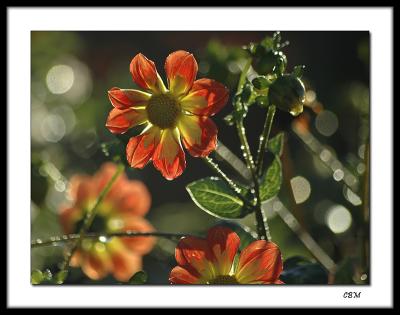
(55, 240)
(262, 148)
(262, 225)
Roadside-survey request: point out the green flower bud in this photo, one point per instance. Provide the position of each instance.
(288, 94)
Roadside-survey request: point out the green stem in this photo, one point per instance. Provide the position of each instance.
(262, 225)
(90, 215)
(243, 75)
(262, 148)
(54, 240)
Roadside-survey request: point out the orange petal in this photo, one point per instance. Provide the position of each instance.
(134, 199)
(181, 68)
(206, 98)
(261, 261)
(224, 244)
(123, 98)
(95, 266)
(140, 149)
(145, 75)
(139, 245)
(119, 121)
(81, 189)
(194, 254)
(180, 275)
(125, 264)
(68, 217)
(199, 134)
(169, 157)
(102, 178)
(76, 259)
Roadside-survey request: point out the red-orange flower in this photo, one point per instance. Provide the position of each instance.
(211, 260)
(174, 115)
(122, 209)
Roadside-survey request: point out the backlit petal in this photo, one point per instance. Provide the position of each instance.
(194, 254)
(140, 149)
(261, 262)
(181, 68)
(169, 157)
(199, 134)
(119, 121)
(223, 243)
(145, 75)
(206, 98)
(181, 275)
(124, 98)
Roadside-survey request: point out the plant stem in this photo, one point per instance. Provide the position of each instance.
(90, 215)
(262, 225)
(54, 240)
(262, 148)
(237, 190)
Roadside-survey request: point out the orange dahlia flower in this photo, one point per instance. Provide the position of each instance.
(122, 209)
(174, 115)
(211, 260)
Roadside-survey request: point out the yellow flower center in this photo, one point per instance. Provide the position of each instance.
(223, 280)
(163, 110)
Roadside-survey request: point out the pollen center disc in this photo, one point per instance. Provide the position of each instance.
(163, 110)
(224, 280)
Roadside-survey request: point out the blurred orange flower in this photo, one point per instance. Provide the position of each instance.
(211, 260)
(122, 209)
(179, 114)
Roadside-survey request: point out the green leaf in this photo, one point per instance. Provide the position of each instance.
(60, 276)
(275, 144)
(36, 277)
(271, 181)
(139, 277)
(215, 197)
(299, 270)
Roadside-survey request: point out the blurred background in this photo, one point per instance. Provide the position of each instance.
(325, 167)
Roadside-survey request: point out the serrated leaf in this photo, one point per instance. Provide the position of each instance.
(271, 181)
(215, 197)
(139, 277)
(299, 270)
(275, 144)
(37, 276)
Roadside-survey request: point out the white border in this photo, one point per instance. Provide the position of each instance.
(22, 20)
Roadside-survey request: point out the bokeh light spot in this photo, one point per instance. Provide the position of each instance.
(326, 123)
(60, 79)
(301, 189)
(53, 128)
(338, 219)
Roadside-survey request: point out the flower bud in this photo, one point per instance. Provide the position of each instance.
(288, 94)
